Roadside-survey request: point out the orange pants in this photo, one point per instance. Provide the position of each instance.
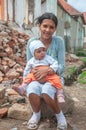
(53, 79)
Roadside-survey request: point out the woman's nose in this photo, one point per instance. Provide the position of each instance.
(47, 29)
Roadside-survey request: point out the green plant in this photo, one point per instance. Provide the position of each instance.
(81, 52)
(72, 70)
(82, 78)
(84, 59)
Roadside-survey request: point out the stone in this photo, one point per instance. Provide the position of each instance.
(20, 111)
(2, 94)
(66, 107)
(10, 91)
(11, 74)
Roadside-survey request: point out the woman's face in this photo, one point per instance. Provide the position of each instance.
(47, 28)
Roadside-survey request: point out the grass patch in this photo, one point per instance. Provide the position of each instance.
(72, 70)
(84, 59)
(82, 78)
(81, 52)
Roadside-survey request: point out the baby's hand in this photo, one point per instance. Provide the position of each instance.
(42, 80)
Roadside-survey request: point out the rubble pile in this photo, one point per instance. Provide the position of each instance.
(12, 54)
(71, 58)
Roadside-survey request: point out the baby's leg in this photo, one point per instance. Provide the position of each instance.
(20, 89)
(60, 96)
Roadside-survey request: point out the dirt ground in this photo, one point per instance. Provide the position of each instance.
(76, 121)
(78, 118)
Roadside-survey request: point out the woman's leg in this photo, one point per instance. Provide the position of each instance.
(52, 103)
(48, 93)
(33, 93)
(35, 102)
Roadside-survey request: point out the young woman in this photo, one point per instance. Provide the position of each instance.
(55, 48)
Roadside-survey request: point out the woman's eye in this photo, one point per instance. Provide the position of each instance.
(45, 26)
(50, 27)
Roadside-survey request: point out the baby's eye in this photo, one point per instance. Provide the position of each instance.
(38, 51)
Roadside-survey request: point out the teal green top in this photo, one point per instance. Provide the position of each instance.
(56, 50)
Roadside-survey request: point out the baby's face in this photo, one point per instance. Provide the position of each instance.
(40, 53)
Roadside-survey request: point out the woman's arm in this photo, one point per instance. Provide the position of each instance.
(57, 51)
(61, 57)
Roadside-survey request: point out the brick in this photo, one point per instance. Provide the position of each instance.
(3, 112)
(2, 92)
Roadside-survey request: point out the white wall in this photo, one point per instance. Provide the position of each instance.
(51, 6)
(37, 8)
(19, 11)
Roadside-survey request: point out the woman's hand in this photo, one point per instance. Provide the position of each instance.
(51, 71)
(40, 73)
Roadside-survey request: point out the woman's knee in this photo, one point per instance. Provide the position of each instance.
(49, 90)
(33, 87)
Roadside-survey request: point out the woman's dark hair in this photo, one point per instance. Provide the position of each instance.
(51, 16)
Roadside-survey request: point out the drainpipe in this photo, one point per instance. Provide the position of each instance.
(7, 11)
(76, 44)
(13, 2)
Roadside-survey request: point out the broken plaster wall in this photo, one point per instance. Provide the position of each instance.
(10, 10)
(2, 9)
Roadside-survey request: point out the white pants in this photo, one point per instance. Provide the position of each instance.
(37, 88)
